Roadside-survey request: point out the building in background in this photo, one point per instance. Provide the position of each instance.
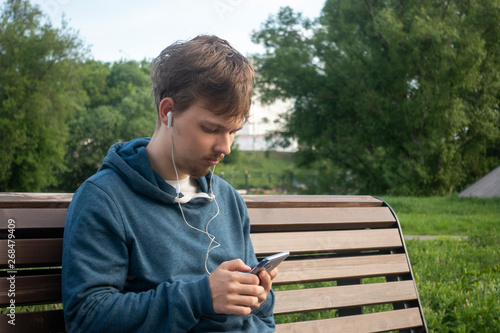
(486, 187)
(262, 122)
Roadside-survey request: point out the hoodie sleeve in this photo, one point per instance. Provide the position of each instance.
(94, 277)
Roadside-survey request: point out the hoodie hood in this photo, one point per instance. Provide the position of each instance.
(130, 160)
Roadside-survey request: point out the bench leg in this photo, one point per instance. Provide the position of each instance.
(349, 311)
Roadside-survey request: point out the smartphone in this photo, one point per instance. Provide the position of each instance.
(270, 262)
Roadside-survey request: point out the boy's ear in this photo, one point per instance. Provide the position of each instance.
(166, 105)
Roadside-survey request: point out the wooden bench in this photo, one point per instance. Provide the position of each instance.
(348, 270)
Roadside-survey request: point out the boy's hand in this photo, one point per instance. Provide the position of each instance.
(266, 281)
(236, 292)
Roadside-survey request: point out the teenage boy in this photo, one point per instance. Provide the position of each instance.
(154, 242)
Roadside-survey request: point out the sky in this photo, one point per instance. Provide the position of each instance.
(136, 30)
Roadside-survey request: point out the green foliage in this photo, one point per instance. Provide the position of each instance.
(59, 113)
(37, 96)
(403, 97)
(265, 170)
(389, 97)
(325, 177)
(118, 107)
(234, 156)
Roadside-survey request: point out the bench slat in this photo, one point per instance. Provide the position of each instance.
(294, 201)
(35, 200)
(372, 322)
(300, 300)
(33, 289)
(50, 253)
(294, 271)
(276, 219)
(326, 241)
(261, 219)
(39, 218)
(61, 200)
(51, 321)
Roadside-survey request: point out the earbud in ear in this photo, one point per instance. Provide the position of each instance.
(169, 116)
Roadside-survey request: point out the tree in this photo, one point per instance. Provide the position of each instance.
(402, 97)
(117, 106)
(37, 96)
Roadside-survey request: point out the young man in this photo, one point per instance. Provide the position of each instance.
(154, 242)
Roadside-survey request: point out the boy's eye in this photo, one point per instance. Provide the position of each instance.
(209, 130)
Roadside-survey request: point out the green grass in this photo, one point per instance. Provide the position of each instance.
(458, 280)
(449, 215)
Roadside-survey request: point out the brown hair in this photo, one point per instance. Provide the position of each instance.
(206, 69)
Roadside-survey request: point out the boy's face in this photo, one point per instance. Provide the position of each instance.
(201, 139)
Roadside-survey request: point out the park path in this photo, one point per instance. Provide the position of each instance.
(426, 237)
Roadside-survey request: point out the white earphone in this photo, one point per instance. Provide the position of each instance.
(169, 116)
(187, 198)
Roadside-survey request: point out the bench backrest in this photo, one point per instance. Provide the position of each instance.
(348, 269)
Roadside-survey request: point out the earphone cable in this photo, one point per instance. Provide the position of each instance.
(178, 186)
(177, 190)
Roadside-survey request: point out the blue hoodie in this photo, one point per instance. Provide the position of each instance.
(130, 262)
